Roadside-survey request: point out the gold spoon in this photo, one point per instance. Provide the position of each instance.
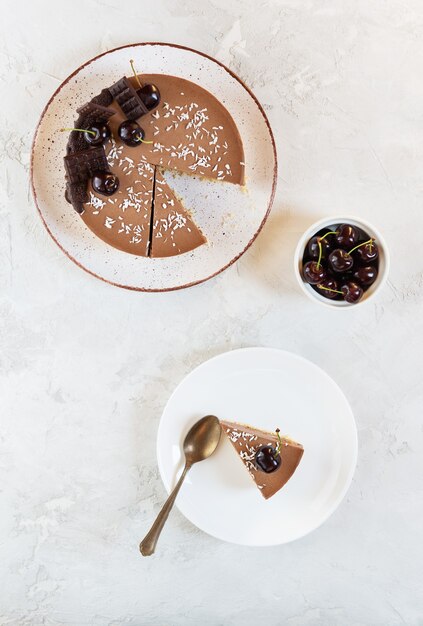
(200, 443)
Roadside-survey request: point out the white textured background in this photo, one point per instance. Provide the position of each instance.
(85, 369)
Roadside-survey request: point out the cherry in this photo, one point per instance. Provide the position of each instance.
(97, 134)
(150, 95)
(313, 247)
(352, 292)
(365, 275)
(328, 288)
(314, 272)
(340, 260)
(131, 133)
(367, 253)
(268, 459)
(346, 235)
(105, 183)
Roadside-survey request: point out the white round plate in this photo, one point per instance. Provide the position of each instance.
(230, 217)
(265, 388)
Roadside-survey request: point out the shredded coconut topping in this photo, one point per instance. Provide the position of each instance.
(202, 158)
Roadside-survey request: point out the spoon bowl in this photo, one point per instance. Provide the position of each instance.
(202, 439)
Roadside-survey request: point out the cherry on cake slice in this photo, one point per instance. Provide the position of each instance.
(270, 458)
(123, 219)
(173, 230)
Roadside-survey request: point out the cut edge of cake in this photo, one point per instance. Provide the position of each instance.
(173, 230)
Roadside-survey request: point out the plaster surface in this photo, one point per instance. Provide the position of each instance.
(86, 369)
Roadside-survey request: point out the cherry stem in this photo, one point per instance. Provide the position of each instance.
(131, 61)
(319, 240)
(330, 232)
(329, 289)
(363, 243)
(144, 140)
(79, 130)
(320, 253)
(278, 448)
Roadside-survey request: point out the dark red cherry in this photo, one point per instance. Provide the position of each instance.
(267, 459)
(313, 247)
(367, 254)
(352, 292)
(313, 273)
(105, 183)
(365, 275)
(340, 260)
(131, 133)
(150, 95)
(328, 288)
(102, 134)
(346, 235)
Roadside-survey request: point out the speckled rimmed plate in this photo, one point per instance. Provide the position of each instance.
(230, 217)
(266, 388)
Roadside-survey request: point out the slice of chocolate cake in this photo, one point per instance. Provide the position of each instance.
(123, 219)
(269, 458)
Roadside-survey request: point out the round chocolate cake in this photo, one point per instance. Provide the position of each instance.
(123, 142)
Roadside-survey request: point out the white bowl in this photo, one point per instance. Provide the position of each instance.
(332, 222)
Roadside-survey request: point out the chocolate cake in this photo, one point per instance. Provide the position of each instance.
(285, 455)
(128, 136)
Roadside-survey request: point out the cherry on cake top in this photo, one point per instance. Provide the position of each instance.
(131, 133)
(268, 457)
(149, 93)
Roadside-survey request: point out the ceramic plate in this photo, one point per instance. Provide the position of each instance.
(265, 388)
(230, 217)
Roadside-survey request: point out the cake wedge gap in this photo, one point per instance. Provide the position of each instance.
(174, 231)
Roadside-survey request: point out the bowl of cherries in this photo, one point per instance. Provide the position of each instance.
(341, 262)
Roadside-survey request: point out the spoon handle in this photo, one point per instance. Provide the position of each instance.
(148, 544)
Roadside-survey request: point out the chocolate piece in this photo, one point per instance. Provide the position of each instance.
(76, 141)
(76, 169)
(95, 113)
(247, 441)
(97, 160)
(104, 98)
(76, 194)
(128, 99)
(81, 165)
